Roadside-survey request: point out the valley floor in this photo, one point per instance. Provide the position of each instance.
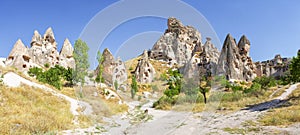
(244, 121)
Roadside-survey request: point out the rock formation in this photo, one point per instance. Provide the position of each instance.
(177, 43)
(234, 61)
(204, 58)
(113, 70)
(43, 51)
(275, 67)
(144, 70)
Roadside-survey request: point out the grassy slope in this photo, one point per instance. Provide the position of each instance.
(28, 110)
(287, 114)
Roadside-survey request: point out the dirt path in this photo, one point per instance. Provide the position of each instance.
(13, 80)
(209, 122)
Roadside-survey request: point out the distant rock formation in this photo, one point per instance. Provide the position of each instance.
(234, 61)
(177, 43)
(204, 58)
(144, 71)
(113, 70)
(42, 51)
(275, 67)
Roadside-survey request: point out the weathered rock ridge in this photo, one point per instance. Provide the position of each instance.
(275, 67)
(43, 50)
(177, 43)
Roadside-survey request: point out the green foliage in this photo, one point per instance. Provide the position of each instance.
(236, 88)
(116, 84)
(134, 86)
(265, 82)
(100, 59)
(47, 65)
(81, 61)
(54, 76)
(254, 89)
(295, 68)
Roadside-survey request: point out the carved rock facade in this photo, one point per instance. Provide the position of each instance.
(43, 51)
(144, 71)
(113, 70)
(177, 43)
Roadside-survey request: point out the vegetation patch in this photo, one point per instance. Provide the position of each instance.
(28, 110)
(286, 114)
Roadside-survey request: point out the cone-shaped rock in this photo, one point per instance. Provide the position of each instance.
(67, 49)
(144, 71)
(36, 39)
(229, 63)
(19, 48)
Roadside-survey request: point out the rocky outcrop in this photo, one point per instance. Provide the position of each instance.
(204, 58)
(43, 51)
(275, 67)
(66, 55)
(234, 61)
(113, 70)
(177, 43)
(144, 71)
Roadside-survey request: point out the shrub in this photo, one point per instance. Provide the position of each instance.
(265, 82)
(47, 65)
(53, 76)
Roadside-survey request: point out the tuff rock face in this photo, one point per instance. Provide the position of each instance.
(113, 70)
(204, 58)
(144, 70)
(42, 51)
(275, 67)
(234, 61)
(177, 43)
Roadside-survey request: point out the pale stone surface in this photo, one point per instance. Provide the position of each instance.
(276, 67)
(177, 44)
(42, 51)
(113, 70)
(144, 71)
(234, 61)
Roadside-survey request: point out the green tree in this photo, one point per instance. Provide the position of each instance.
(81, 61)
(99, 77)
(295, 68)
(134, 86)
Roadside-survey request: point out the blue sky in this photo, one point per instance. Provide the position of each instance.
(272, 26)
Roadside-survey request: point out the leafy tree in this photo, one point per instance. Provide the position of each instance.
(81, 61)
(100, 59)
(295, 68)
(134, 86)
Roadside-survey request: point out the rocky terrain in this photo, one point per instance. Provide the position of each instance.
(42, 51)
(180, 47)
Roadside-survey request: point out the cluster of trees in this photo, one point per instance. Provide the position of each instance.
(55, 76)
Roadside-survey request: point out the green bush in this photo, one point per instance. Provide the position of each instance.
(54, 76)
(265, 82)
(254, 89)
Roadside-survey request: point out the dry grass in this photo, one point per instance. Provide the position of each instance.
(28, 110)
(287, 114)
(101, 107)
